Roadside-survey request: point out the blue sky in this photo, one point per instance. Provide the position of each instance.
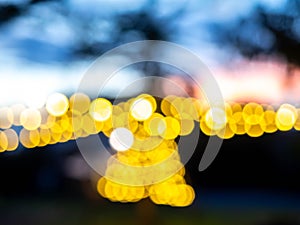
(40, 43)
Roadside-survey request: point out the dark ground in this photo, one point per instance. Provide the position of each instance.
(253, 181)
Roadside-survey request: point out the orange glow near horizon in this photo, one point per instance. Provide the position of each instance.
(262, 82)
(253, 81)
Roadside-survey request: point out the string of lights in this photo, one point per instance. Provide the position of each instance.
(143, 132)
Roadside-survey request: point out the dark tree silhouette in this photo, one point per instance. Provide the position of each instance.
(263, 32)
(142, 24)
(10, 11)
(127, 26)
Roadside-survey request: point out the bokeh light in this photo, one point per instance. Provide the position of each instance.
(142, 134)
(121, 139)
(6, 117)
(12, 139)
(80, 102)
(57, 104)
(100, 109)
(30, 118)
(141, 109)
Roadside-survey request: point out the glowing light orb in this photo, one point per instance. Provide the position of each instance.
(169, 128)
(30, 119)
(142, 135)
(45, 136)
(89, 125)
(166, 104)
(100, 109)
(151, 99)
(80, 102)
(152, 124)
(141, 109)
(268, 123)
(254, 130)
(12, 138)
(121, 139)
(29, 139)
(215, 118)
(6, 117)
(57, 104)
(186, 124)
(297, 123)
(237, 123)
(286, 117)
(253, 113)
(3, 141)
(226, 132)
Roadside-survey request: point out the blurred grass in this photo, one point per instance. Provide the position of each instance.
(58, 211)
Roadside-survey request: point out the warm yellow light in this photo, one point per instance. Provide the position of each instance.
(45, 136)
(253, 113)
(120, 192)
(286, 116)
(268, 123)
(297, 123)
(101, 186)
(48, 120)
(3, 141)
(29, 139)
(177, 106)
(168, 193)
(237, 123)
(30, 119)
(55, 137)
(89, 125)
(147, 143)
(235, 107)
(150, 98)
(141, 109)
(61, 124)
(205, 129)
(186, 124)
(193, 108)
(169, 128)
(66, 135)
(80, 102)
(215, 118)
(12, 138)
(226, 132)
(75, 122)
(166, 104)
(107, 127)
(6, 117)
(147, 154)
(57, 104)
(152, 124)
(254, 130)
(124, 120)
(100, 109)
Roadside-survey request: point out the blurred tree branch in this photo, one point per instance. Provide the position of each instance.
(264, 33)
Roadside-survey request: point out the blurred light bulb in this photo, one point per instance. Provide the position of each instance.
(141, 109)
(57, 104)
(121, 139)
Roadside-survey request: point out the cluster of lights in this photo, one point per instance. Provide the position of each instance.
(146, 153)
(57, 122)
(142, 169)
(142, 132)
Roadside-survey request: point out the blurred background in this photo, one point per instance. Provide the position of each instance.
(253, 50)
